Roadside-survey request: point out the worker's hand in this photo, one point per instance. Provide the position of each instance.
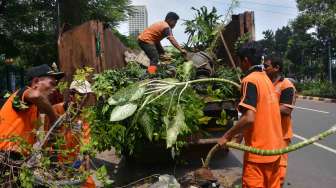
(238, 138)
(223, 140)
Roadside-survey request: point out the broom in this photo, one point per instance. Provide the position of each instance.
(205, 173)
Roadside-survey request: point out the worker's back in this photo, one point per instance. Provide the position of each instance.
(155, 33)
(16, 121)
(266, 132)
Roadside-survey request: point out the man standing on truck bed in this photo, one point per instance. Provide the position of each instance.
(286, 92)
(260, 123)
(149, 39)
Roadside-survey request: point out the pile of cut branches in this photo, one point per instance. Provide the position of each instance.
(135, 109)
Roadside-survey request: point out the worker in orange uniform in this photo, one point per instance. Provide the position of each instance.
(77, 134)
(19, 115)
(286, 94)
(260, 123)
(149, 40)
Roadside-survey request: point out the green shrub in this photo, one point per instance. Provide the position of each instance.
(128, 41)
(317, 88)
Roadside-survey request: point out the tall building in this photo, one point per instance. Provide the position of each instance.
(138, 21)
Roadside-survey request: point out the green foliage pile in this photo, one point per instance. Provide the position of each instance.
(135, 109)
(120, 119)
(225, 90)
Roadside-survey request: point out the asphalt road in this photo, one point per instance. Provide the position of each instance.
(313, 166)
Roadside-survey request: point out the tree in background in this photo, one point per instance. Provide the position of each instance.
(303, 43)
(319, 14)
(268, 42)
(27, 31)
(75, 12)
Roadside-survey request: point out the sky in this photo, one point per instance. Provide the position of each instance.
(268, 14)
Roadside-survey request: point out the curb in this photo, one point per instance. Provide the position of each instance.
(316, 98)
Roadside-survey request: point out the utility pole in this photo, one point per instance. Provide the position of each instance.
(330, 60)
(57, 18)
(57, 26)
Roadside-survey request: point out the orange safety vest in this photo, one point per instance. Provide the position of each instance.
(155, 33)
(17, 123)
(286, 121)
(265, 132)
(72, 141)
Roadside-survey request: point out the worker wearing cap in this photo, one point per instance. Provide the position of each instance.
(286, 94)
(77, 134)
(149, 40)
(260, 121)
(19, 115)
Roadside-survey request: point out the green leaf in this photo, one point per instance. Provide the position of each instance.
(138, 93)
(19, 104)
(102, 176)
(166, 121)
(105, 108)
(186, 71)
(112, 101)
(127, 94)
(223, 119)
(175, 127)
(204, 120)
(7, 95)
(148, 124)
(122, 112)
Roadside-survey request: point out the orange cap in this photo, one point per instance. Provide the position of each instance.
(152, 69)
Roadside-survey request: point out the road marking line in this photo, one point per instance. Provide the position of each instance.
(316, 144)
(298, 107)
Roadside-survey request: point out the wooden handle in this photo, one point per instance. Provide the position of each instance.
(210, 154)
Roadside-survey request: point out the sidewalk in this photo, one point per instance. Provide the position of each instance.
(316, 98)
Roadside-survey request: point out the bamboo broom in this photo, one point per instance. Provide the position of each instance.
(281, 151)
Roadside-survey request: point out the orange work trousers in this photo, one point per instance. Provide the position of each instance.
(261, 175)
(283, 163)
(89, 183)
